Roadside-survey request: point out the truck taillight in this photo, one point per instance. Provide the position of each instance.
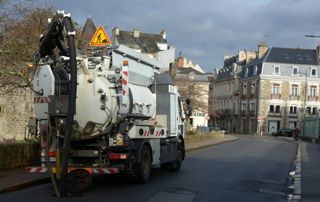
(118, 156)
(52, 153)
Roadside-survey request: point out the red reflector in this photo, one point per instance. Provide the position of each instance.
(118, 156)
(52, 153)
(125, 63)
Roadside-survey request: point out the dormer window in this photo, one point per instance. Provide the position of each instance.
(295, 71)
(192, 76)
(276, 70)
(313, 72)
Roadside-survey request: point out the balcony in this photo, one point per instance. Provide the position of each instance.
(275, 96)
(292, 115)
(252, 112)
(253, 95)
(243, 97)
(243, 112)
(274, 113)
(294, 97)
(313, 98)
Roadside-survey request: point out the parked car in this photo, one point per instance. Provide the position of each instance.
(217, 128)
(288, 132)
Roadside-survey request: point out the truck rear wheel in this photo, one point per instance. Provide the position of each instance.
(143, 169)
(79, 180)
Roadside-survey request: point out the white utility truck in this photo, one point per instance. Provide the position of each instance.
(110, 111)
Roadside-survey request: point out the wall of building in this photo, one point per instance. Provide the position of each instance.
(16, 108)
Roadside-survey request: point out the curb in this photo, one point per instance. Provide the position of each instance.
(24, 185)
(211, 144)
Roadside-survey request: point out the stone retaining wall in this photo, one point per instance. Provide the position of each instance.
(19, 155)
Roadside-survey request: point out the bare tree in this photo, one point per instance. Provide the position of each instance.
(195, 90)
(21, 24)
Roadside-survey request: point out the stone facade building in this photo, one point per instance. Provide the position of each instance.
(273, 90)
(224, 91)
(278, 89)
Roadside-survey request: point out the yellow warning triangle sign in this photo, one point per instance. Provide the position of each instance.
(100, 38)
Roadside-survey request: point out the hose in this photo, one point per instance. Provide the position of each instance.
(53, 180)
(71, 103)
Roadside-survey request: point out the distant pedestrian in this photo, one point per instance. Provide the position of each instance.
(296, 133)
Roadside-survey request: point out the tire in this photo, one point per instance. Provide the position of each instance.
(79, 180)
(142, 170)
(176, 165)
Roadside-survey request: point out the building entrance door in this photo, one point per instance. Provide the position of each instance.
(273, 126)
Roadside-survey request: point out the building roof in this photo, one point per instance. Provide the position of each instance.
(292, 56)
(184, 74)
(146, 42)
(87, 33)
(188, 70)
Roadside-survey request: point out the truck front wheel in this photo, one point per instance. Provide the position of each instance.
(142, 170)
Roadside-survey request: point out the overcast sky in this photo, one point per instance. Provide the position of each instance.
(206, 30)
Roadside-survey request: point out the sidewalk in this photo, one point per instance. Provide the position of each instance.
(13, 180)
(310, 155)
(215, 141)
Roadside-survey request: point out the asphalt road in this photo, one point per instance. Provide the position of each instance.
(251, 169)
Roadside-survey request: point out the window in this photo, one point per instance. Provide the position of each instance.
(244, 89)
(252, 106)
(255, 70)
(253, 88)
(294, 90)
(244, 106)
(276, 70)
(275, 89)
(274, 109)
(271, 109)
(313, 91)
(313, 72)
(308, 111)
(314, 110)
(293, 110)
(246, 72)
(294, 70)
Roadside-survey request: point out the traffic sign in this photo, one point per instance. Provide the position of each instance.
(100, 38)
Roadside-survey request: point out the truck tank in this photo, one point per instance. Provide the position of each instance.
(109, 89)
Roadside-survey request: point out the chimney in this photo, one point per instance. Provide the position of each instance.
(180, 60)
(116, 31)
(136, 33)
(262, 49)
(163, 34)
